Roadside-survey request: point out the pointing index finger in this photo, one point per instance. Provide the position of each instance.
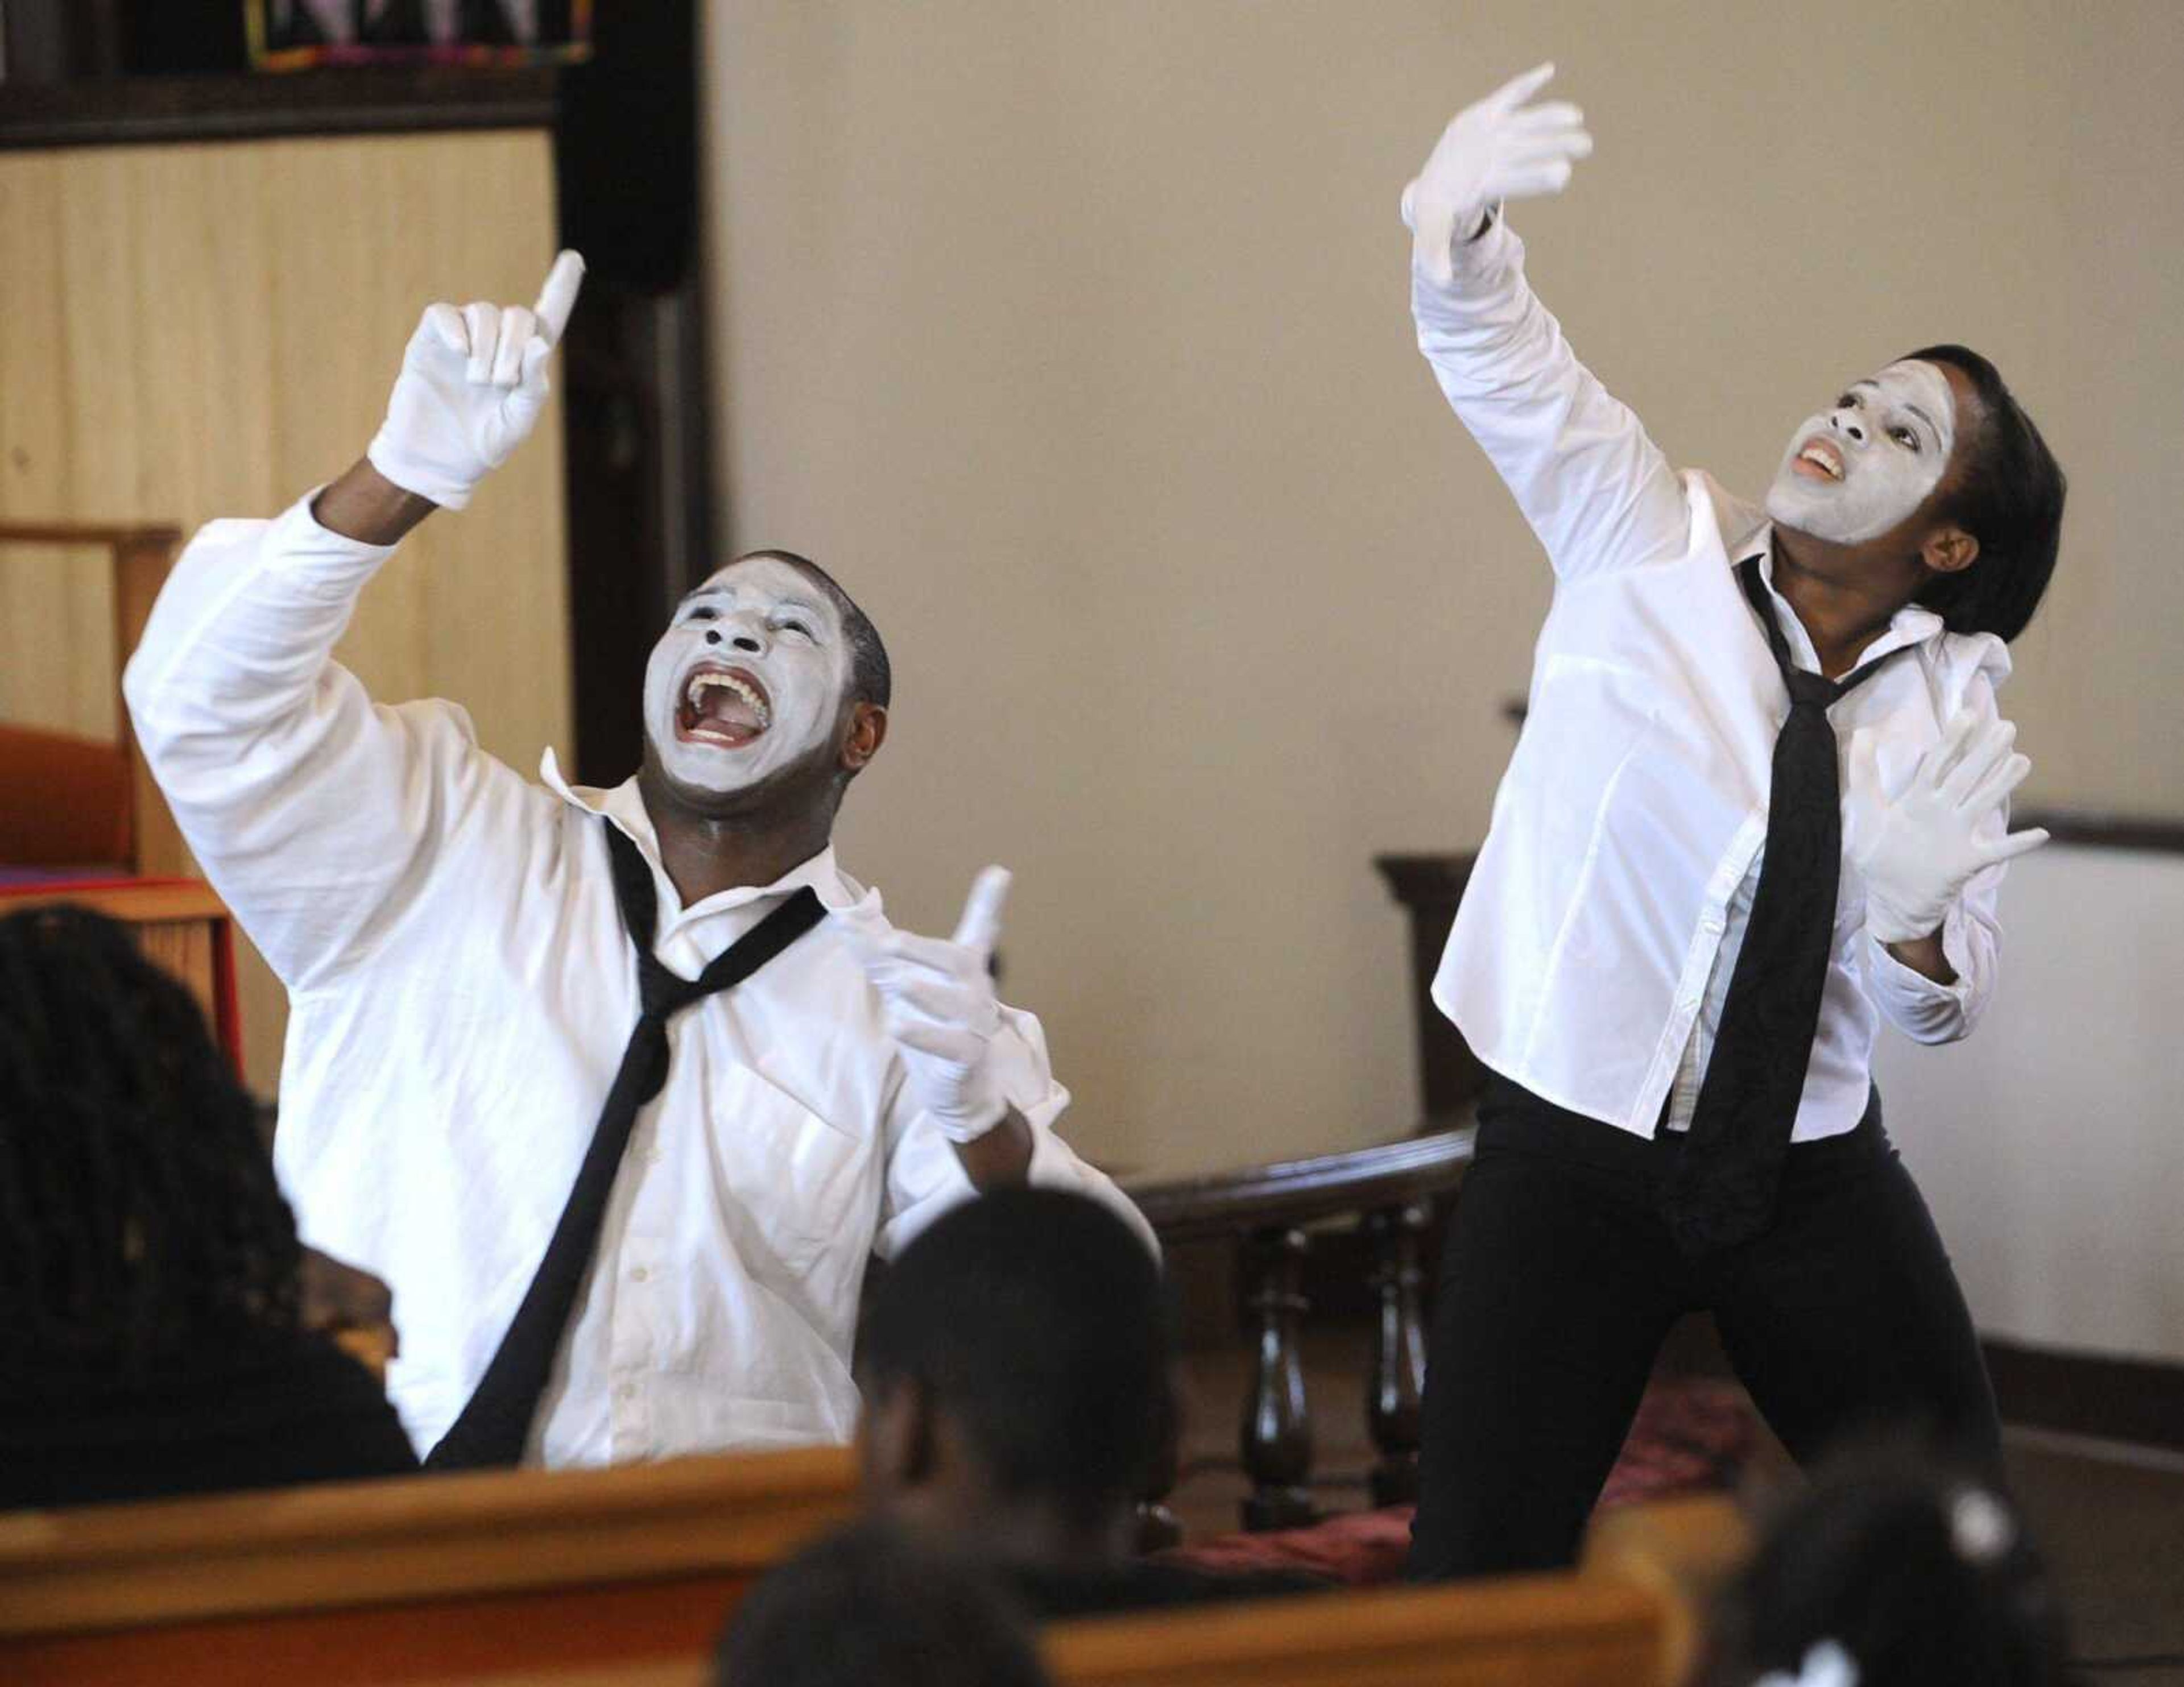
(1517, 90)
(980, 927)
(558, 298)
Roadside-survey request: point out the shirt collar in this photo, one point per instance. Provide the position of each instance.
(623, 808)
(1913, 624)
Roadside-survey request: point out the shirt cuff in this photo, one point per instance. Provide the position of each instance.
(1916, 989)
(296, 536)
(1473, 263)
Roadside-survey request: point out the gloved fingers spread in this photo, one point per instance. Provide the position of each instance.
(1533, 181)
(557, 298)
(1554, 115)
(1993, 790)
(1946, 752)
(483, 321)
(517, 326)
(1987, 749)
(980, 926)
(2016, 843)
(1518, 89)
(445, 324)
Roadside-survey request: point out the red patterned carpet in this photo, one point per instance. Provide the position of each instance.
(1691, 1434)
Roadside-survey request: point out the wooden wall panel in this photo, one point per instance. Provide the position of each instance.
(198, 331)
(57, 640)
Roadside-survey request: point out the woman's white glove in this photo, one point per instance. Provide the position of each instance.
(472, 383)
(941, 1011)
(1498, 149)
(1917, 847)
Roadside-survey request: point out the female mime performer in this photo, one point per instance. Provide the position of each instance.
(1761, 794)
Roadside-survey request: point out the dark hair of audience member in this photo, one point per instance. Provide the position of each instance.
(866, 1608)
(1035, 1320)
(1920, 1575)
(138, 1210)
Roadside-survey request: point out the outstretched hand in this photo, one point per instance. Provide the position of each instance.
(1498, 148)
(940, 1009)
(472, 384)
(1919, 846)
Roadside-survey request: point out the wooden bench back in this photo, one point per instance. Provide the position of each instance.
(1631, 1617)
(582, 1579)
(434, 1578)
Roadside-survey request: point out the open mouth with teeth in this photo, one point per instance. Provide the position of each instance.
(1818, 459)
(724, 706)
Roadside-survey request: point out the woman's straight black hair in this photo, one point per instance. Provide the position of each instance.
(2009, 498)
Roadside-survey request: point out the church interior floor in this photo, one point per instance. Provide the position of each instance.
(2109, 1518)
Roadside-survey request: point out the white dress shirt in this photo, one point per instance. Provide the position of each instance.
(461, 990)
(1592, 951)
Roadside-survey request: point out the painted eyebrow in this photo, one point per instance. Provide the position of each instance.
(1907, 405)
(705, 592)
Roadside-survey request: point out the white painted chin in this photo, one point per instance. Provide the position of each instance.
(1823, 507)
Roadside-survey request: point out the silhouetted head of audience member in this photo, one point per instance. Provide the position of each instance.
(1893, 1572)
(1014, 1362)
(869, 1608)
(139, 1216)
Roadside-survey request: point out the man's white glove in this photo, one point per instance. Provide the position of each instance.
(1917, 847)
(1498, 149)
(472, 383)
(942, 1012)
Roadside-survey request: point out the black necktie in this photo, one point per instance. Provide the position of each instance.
(494, 1425)
(1722, 1187)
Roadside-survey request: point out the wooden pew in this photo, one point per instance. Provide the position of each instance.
(564, 1576)
(1630, 1617)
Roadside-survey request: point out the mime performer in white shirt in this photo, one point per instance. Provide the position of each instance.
(1760, 797)
(464, 983)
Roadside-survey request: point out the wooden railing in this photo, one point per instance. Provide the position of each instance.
(1269, 1210)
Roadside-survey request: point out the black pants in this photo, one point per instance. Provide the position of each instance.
(1559, 1281)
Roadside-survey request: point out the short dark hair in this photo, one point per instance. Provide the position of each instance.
(2009, 498)
(1037, 1320)
(1922, 1573)
(867, 1608)
(871, 679)
(139, 1216)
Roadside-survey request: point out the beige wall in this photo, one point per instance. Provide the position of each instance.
(1074, 336)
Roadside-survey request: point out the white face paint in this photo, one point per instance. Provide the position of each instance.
(1853, 472)
(748, 679)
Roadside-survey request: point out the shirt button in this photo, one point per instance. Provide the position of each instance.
(639, 1275)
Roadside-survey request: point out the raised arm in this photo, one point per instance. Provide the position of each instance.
(316, 813)
(1596, 491)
